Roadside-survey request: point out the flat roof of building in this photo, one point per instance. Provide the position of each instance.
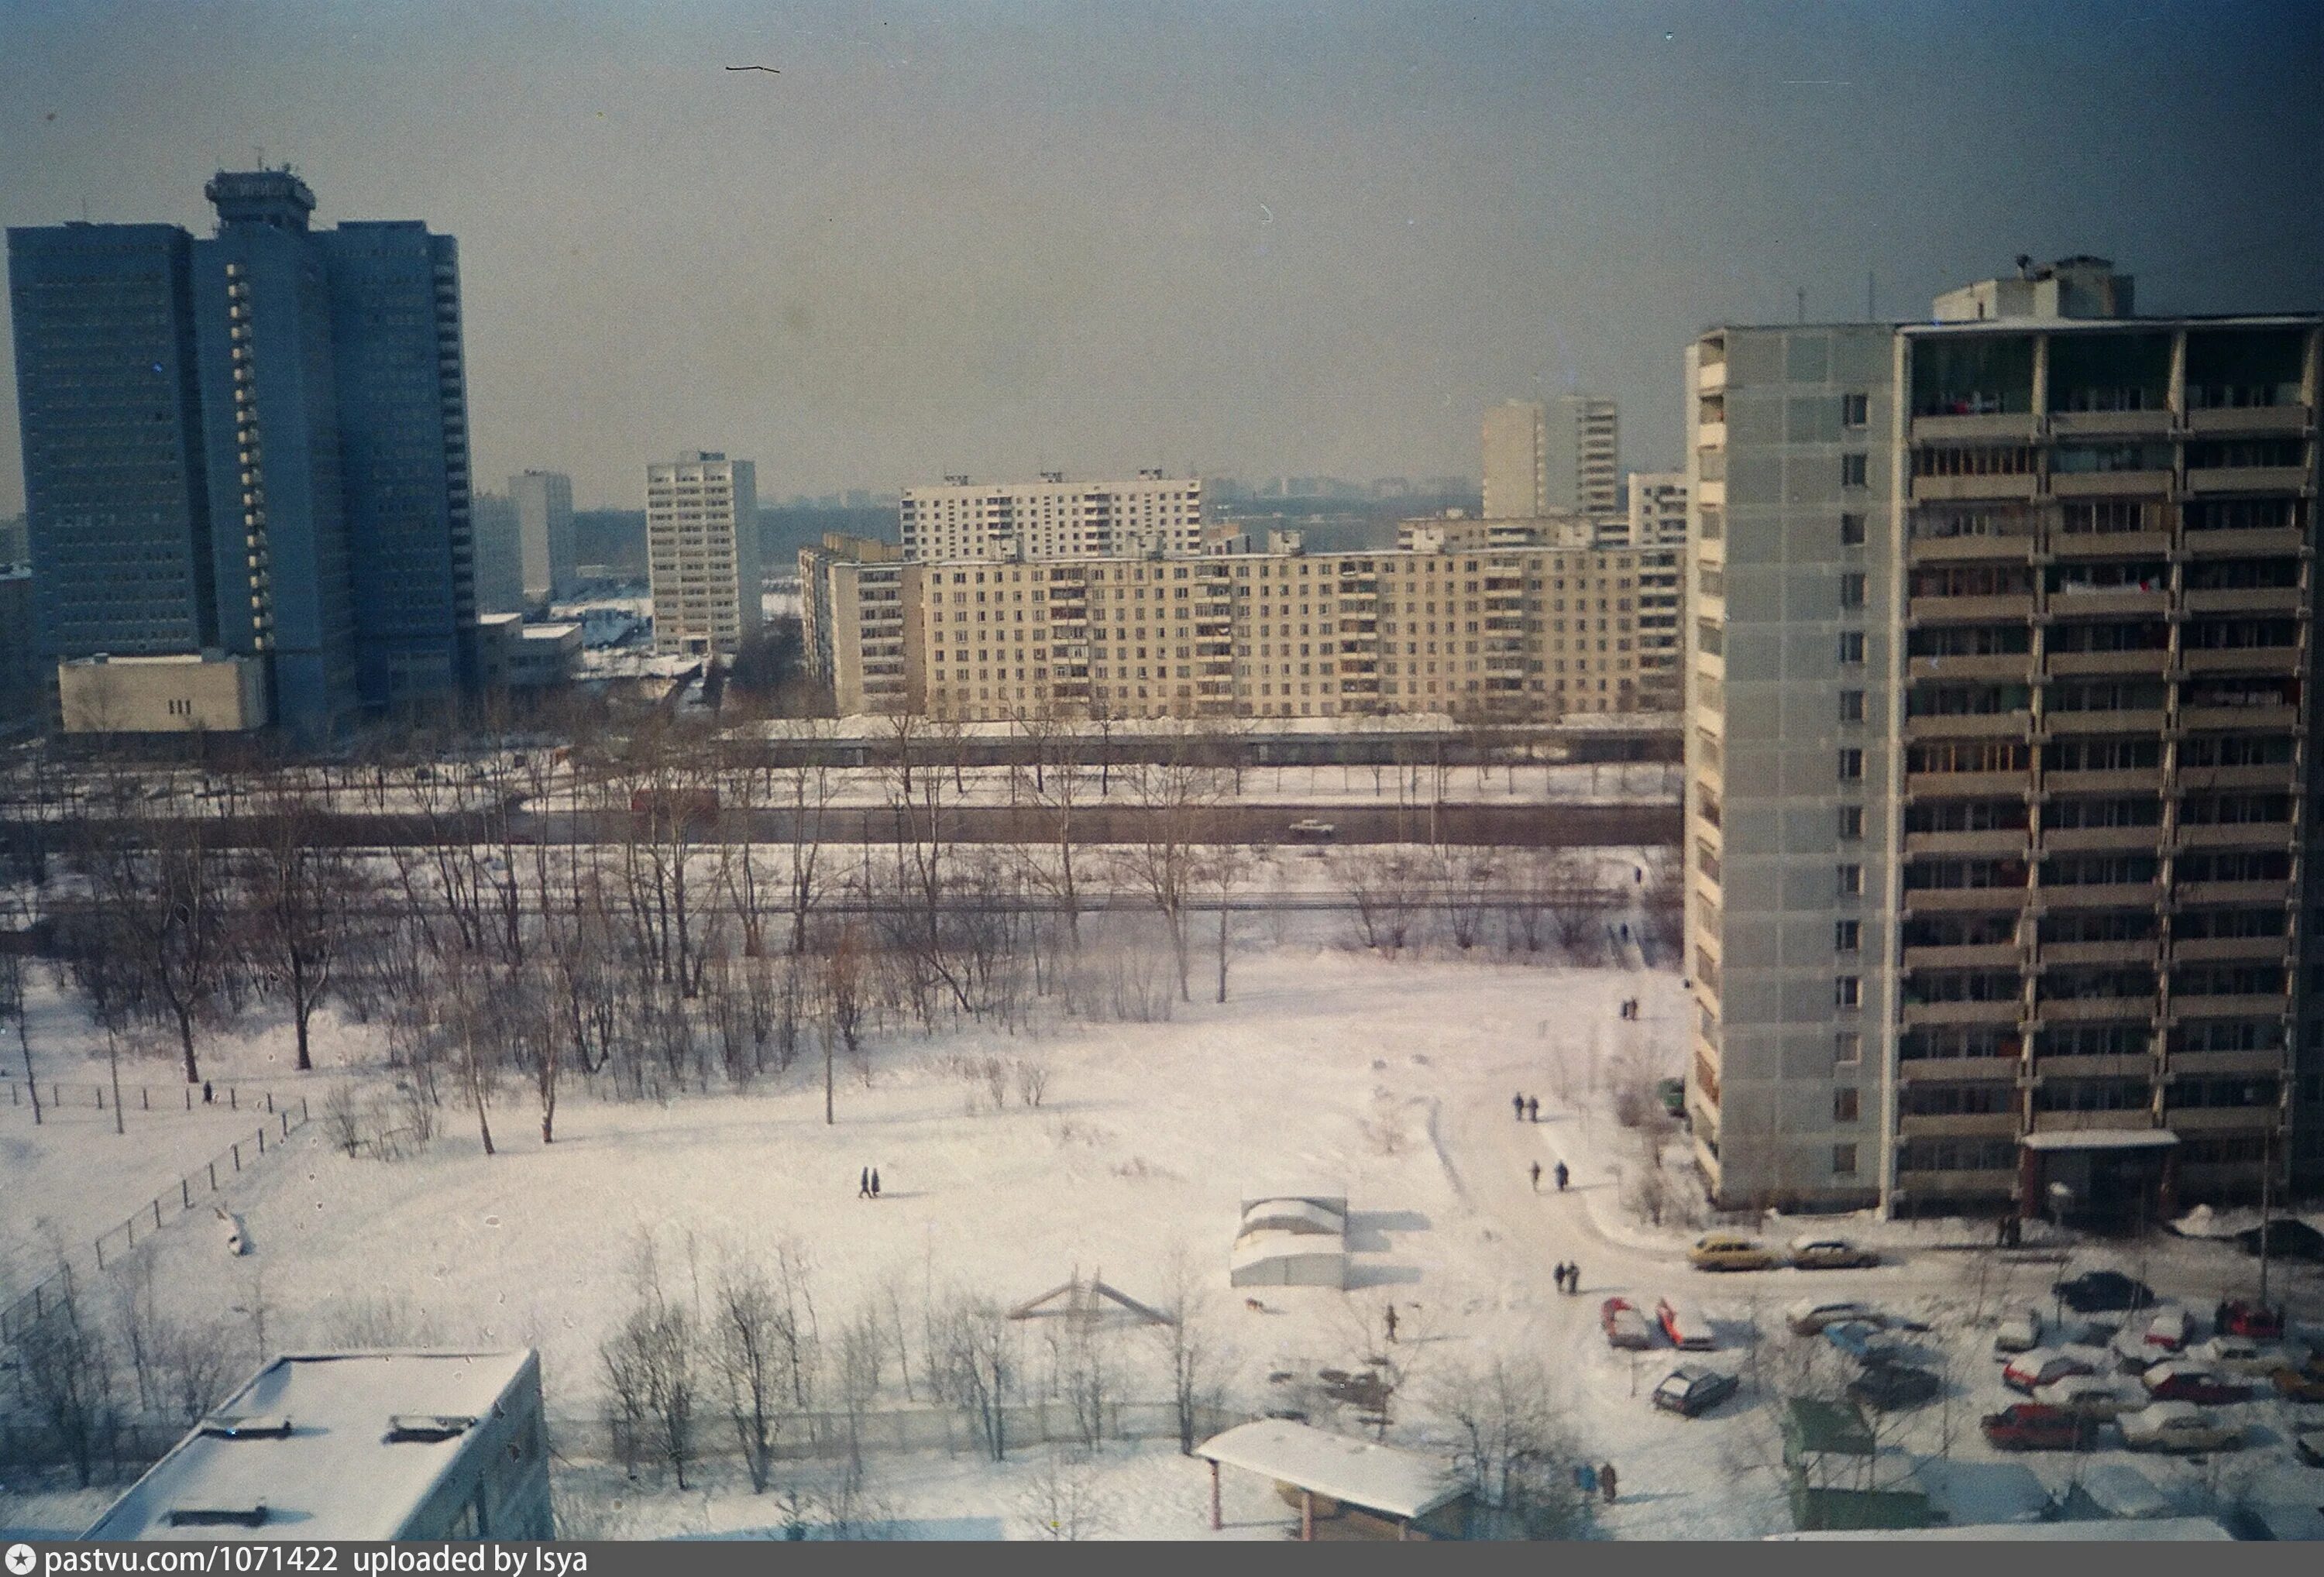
(1378, 1478)
(319, 1448)
(154, 659)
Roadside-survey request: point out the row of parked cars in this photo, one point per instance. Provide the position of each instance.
(1689, 1390)
(2148, 1376)
(1725, 1250)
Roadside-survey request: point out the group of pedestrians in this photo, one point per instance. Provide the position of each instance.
(1597, 1480)
(1568, 1276)
(867, 1185)
(1563, 1176)
(1526, 1107)
(1631, 1009)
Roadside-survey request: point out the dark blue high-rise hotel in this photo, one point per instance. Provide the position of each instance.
(255, 444)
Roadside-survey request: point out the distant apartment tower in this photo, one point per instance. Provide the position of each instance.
(1584, 454)
(23, 691)
(2000, 680)
(500, 556)
(1517, 460)
(1657, 510)
(544, 515)
(702, 547)
(254, 443)
(1054, 518)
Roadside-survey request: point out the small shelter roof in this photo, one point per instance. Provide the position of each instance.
(1835, 1428)
(1378, 1478)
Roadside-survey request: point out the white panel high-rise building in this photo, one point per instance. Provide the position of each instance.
(702, 543)
(498, 557)
(544, 519)
(1584, 456)
(1657, 510)
(1517, 457)
(1054, 518)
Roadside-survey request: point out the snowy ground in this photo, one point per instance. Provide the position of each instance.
(1389, 1080)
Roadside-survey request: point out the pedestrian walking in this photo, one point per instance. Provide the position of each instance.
(1533, 1109)
(1517, 1105)
(1561, 1175)
(1537, 1176)
(1573, 1277)
(205, 1092)
(1560, 1274)
(1638, 874)
(1606, 1480)
(1391, 1322)
(864, 1184)
(1585, 1478)
(875, 1182)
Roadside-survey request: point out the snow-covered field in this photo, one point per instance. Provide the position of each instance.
(1389, 1080)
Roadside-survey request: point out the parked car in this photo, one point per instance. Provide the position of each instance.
(2286, 1238)
(2096, 1290)
(1812, 1315)
(2093, 1395)
(2178, 1426)
(1625, 1324)
(1730, 1251)
(2241, 1317)
(1829, 1253)
(2037, 1367)
(2309, 1444)
(1891, 1388)
(1865, 1341)
(2305, 1384)
(1684, 1324)
(2184, 1382)
(2167, 1330)
(1309, 830)
(1690, 1391)
(2020, 1331)
(2239, 1355)
(2031, 1426)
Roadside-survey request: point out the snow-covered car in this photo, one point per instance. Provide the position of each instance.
(2304, 1383)
(2184, 1382)
(2167, 1330)
(1890, 1388)
(2244, 1317)
(1823, 1252)
(1812, 1315)
(1684, 1325)
(2093, 1395)
(1865, 1341)
(2239, 1355)
(1691, 1391)
(2097, 1291)
(1730, 1251)
(2178, 1426)
(2020, 1331)
(2037, 1367)
(1625, 1323)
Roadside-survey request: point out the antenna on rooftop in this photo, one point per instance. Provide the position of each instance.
(1804, 303)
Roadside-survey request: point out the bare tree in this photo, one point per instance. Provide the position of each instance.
(650, 1370)
(1197, 1367)
(13, 1006)
(162, 908)
(1064, 1501)
(1175, 796)
(67, 1371)
(1511, 1453)
(303, 893)
(750, 1355)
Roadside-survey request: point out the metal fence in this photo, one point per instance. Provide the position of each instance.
(805, 1436)
(56, 1095)
(115, 1243)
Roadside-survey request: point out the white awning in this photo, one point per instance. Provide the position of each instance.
(1378, 1478)
(2101, 1139)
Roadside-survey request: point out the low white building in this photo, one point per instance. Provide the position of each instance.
(1291, 1240)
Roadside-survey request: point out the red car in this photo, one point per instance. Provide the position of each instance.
(2036, 1427)
(2241, 1317)
(2176, 1382)
(1625, 1324)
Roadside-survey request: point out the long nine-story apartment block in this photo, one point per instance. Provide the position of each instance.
(1999, 677)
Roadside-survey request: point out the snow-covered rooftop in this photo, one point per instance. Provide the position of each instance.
(2101, 1139)
(336, 1473)
(2141, 1530)
(1378, 1478)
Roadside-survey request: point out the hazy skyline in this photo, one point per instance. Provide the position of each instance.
(1257, 240)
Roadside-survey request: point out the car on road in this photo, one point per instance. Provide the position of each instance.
(2309, 1444)
(2097, 1291)
(2031, 1426)
(1821, 1252)
(1891, 1388)
(1625, 1323)
(2019, 1330)
(2178, 1426)
(1812, 1315)
(2184, 1382)
(2244, 1317)
(1308, 830)
(2037, 1367)
(1730, 1251)
(1686, 1326)
(2093, 1395)
(1691, 1391)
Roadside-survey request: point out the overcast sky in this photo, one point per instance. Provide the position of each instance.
(1255, 238)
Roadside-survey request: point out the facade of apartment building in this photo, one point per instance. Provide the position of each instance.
(1518, 634)
(1657, 510)
(1053, 519)
(1517, 460)
(544, 533)
(702, 553)
(1998, 671)
(1584, 456)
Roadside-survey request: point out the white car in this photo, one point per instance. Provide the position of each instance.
(2167, 1332)
(2036, 1367)
(1684, 1325)
(2178, 1426)
(1812, 1315)
(2093, 1395)
(2020, 1331)
(2240, 1355)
